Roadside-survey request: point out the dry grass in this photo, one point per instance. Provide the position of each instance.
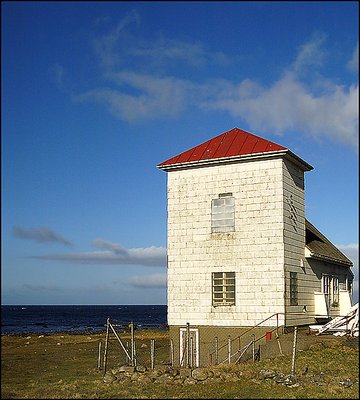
(65, 366)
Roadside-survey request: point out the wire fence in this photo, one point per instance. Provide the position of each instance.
(149, 346)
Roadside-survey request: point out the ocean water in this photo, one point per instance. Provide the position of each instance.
(79, 319)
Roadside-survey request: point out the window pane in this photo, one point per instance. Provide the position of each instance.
(223, 288)
(223, 214)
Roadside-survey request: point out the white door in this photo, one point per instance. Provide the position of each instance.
(189, 347)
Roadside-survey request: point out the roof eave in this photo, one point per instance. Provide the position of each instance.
(329, 259)
(238, 158)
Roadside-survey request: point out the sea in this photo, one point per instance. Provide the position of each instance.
(77, 319)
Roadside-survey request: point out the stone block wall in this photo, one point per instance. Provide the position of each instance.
(255, 251)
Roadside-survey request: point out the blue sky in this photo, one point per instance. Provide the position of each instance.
(96, 94)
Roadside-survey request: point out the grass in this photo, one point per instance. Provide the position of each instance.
(65, 366)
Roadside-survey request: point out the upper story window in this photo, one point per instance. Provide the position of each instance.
(223, 213)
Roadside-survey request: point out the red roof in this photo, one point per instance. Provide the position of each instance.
(235, 142)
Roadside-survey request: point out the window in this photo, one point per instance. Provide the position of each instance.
(223, 213)
(293, 289)
(335, 291)
(223, 288)
(330, 288)
(326, 285)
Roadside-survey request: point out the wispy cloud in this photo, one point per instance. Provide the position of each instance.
(352, 252)
(353, 64)
(121, 45)
(113, 253)
(40, 288)
(300, 99)
(290, 105)
(57, 73)
(107, 46)
(40, 234)
(310, 54)
(321, 109)
(156, 97)
(154, 281)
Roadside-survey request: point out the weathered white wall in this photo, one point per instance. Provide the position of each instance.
(255, 251)
(311, 282)
(294, 245)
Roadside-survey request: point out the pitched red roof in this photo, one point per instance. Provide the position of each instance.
(235, 142)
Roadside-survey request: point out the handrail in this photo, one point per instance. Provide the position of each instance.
(251, 328)
(245, 348)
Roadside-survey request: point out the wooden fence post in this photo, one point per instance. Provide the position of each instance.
(229, 349)
(106, 344)
(278, 342)
(253, 347)
(171, 352)
(132, 343)
(152, 353)
(99, 357)
(294, 352)
(187, 345)
(216, 350)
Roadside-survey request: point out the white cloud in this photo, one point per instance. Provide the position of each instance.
(149, 96)
(352, 252)
(57, 75)
(40, 234)
(310, 53)
(289, 104)
(40, 288)
(154, 281)
(353, 64)
(299, 100)
(106, 45)
(113, 254)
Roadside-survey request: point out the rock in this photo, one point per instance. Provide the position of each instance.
(267, 374)
(144, 346)
(154, 373)
(163, 379)
(128, 369)
(200, 374)
(171, 371)
(122, 378)
(109, 377)
(190, 381)
(290, 380)
(140, 368)
(346, 383)
(279, 378)
(319, 378)
(230, 377)
(144, 379)
(134, 377)
(185, 372)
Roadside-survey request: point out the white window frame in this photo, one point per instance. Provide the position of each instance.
(330, 289)
(335, 291)
(223, 288)
(223, 213)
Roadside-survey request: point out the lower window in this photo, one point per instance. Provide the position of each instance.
(223, 288)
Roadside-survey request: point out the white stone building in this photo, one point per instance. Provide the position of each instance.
(240, 250)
